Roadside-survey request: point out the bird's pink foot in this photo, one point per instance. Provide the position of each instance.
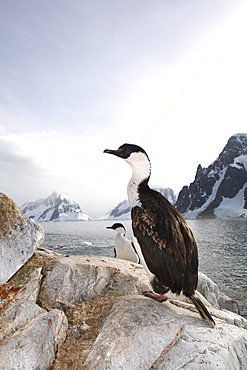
(156, 297)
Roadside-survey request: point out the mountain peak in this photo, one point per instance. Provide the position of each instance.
(220, 190)
(240, 134)
(56, 207)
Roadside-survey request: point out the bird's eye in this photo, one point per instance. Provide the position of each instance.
(127, 151)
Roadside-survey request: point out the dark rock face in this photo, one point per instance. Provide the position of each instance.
(224, 179)
(234, 180)
(245, 199)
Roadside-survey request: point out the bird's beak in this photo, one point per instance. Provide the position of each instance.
(108, 227)
(118, 152)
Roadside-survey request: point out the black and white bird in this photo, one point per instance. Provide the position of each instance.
(124, 249)
(162, 238)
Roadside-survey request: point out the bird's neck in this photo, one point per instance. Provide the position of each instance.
(121, 232)
(140, 176)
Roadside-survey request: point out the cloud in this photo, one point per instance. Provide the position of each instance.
(18, 173)
(35, 164)
(170, 78)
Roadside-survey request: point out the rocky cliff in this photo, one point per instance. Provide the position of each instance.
(219, 190)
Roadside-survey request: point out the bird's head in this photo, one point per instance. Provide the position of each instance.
(118, 227)
(126, 151)
(133, 154)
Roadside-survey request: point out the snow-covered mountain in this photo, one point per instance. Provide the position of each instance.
(220, 190)
(122, 210)
(56, 207)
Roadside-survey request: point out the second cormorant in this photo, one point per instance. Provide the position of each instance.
(124, 248)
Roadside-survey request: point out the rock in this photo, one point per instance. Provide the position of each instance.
(140, 333)
(34, 346)
(137, 332)
(19, 237)
(75, 279)
(30, 290)
(230, 318)
(65, 281)
(112, 326)
(18, 315)
(214, 296)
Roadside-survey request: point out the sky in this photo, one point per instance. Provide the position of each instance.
(80, 76)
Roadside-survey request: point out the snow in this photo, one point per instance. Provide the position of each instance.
(241, 159)
(239, 135)
(125, 216)
(191, 215)
(60, 205)
(232, 207)
(229, 208)
(123, 205)
(72, 216)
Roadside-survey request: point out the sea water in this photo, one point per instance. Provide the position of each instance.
(222, 247)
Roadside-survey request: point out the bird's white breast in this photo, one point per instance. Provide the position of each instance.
(141, 170)
(124, 249)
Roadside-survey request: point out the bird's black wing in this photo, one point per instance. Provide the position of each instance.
(166, 241)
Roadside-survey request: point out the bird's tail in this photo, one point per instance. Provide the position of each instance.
(203, 310)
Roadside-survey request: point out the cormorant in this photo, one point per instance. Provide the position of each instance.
(162, 238)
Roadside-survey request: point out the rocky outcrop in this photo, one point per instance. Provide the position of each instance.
(19, 237)
(75, 279)
(65, 282)
(17, 315)
(214, 296)
(34, 345)
(159, 333)
(85, 312)
(143, 334)
(26, 329)
(101, 297)
(220, 189)
(29, 334)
